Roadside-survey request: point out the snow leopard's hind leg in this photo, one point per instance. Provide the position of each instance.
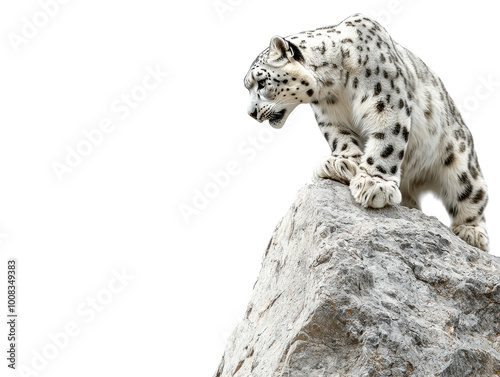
(465, 194)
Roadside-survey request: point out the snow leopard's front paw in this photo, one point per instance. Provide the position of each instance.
(472, 234)
(374, 192)
(336, 168)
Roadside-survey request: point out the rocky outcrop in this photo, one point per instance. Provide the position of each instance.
(346, 291)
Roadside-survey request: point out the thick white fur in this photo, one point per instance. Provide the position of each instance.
(329, 62)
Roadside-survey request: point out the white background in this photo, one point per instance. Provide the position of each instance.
(119, 208)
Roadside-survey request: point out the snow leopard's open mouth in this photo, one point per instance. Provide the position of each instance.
(276, 118)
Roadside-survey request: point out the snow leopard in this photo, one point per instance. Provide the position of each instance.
(392, 127)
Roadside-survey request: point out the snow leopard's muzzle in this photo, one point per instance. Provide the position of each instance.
(275, 117)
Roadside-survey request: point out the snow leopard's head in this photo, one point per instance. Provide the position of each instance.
(278, 82)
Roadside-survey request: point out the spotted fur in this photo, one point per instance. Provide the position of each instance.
(393, 129)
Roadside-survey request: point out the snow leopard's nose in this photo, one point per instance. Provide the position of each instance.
(253, 114)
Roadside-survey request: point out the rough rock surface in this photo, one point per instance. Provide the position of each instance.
(345, 291)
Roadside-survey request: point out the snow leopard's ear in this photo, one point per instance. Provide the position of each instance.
(280, 52)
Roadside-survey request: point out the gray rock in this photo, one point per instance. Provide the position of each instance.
(346, 291)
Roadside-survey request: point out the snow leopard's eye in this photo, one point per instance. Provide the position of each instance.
(261, 84)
